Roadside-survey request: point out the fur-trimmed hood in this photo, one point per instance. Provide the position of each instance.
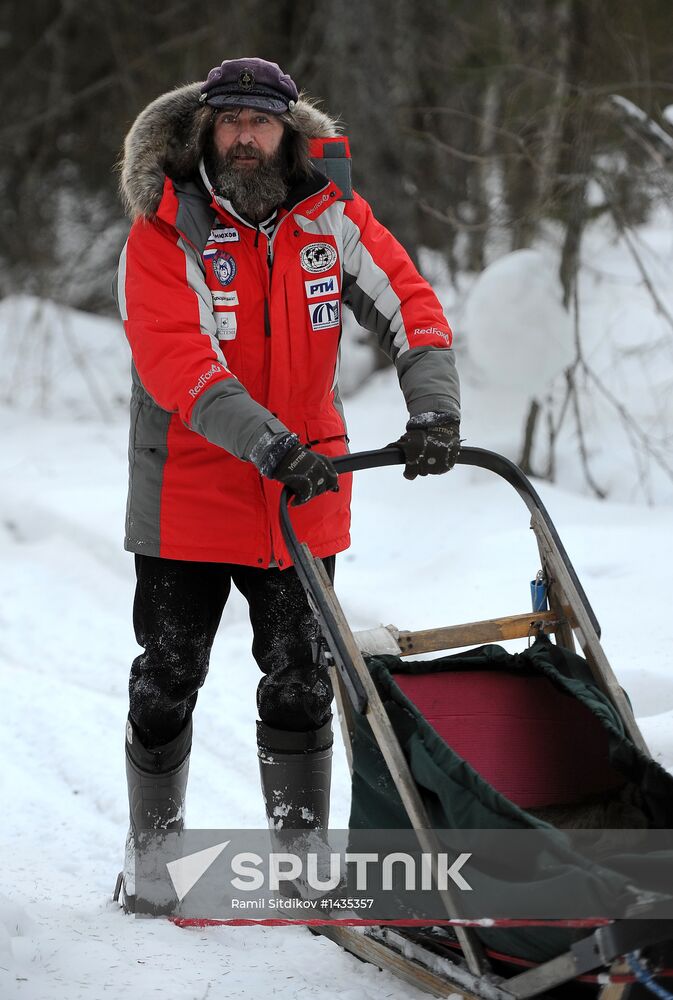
(167, 139)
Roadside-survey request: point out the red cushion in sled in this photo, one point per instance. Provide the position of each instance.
(534, 744)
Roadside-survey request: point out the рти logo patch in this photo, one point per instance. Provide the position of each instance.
(321, 286)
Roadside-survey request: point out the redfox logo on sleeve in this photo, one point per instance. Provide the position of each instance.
(432, 331)
(205, 378)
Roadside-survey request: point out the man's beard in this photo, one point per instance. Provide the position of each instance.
(253, 191)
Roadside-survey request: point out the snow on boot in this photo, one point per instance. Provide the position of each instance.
(157, 785)
(296, 771)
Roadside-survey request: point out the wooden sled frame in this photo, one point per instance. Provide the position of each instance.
(571, 619)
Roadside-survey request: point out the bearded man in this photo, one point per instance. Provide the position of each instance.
(241, 255)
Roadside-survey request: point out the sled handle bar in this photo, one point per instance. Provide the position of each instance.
(477, 457)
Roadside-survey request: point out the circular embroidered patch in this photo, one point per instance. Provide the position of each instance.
(224, 267)
(317, 257)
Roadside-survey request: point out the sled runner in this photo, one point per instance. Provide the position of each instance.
(425, 749)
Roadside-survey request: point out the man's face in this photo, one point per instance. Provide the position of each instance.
(246, 137)
(246, 162)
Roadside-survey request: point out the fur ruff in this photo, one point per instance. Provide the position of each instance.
(167, 139)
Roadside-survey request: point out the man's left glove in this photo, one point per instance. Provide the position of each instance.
(430, 450)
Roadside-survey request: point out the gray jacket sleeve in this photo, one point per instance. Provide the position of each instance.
(226, 415)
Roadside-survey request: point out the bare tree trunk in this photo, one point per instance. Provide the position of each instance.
(482, 178)
(552, 131)
(579, 138)
(520, 35)
(529, 437)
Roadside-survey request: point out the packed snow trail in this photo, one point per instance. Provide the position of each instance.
(439, 551)
(65, 648)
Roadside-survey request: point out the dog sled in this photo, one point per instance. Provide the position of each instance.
(425, 750)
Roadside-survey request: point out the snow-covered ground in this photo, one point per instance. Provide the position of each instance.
(453, 549)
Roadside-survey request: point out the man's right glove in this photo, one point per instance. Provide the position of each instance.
(431, 450)
(305, 473)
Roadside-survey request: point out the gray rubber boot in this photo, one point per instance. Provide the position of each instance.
(296, 774)
(157, 786)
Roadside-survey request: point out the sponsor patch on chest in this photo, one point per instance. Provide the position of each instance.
(223, 234)
(225, 298)
(318, 257)
(318, 287)
(226, 325)
(324, 315)
(224, 265)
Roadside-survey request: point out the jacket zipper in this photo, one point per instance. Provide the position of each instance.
(269, 263)
(267, 331)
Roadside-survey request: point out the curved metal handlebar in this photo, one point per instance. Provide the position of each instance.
(477, 457)
(361, 460)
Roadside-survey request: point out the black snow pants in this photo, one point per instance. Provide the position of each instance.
(176, 612)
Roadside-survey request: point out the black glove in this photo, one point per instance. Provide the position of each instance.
(429, 451)
(306, 474)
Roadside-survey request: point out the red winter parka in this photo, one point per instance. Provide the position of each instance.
(235, 337)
